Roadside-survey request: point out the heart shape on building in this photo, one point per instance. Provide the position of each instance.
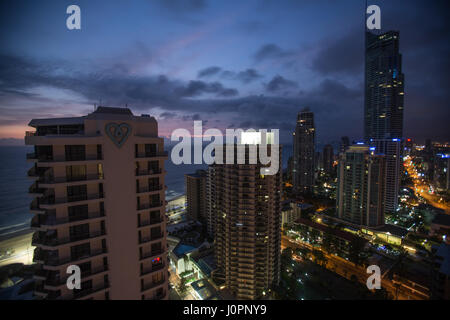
(118, 133)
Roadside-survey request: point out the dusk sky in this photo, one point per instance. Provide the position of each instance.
(232, 64)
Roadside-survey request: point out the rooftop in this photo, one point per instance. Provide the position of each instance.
(392, 229)
(110, 110)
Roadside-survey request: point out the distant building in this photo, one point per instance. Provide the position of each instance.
(441, 171)
(441, 275)
(289, 212)
(247, 209)
(391, 149)
(384, 87)
(304, 152)
(98, 183)
(345, 144)
(361, 187)
(196, 195)
(328, 159)
(340, 240)
(440, 227)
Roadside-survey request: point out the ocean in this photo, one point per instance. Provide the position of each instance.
(14, 184)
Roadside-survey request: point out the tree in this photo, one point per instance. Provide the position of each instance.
(357, 253)
(182, 288)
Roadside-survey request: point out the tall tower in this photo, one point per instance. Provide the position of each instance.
(328, 159)
(304, 152)
(98, 182)
(247, 209)
(360, 193)
(384, 87)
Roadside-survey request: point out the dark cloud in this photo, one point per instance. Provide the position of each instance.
(248, 75)
(279, 83)
(197, 88)
(167, 115)
(207, 72)
(270, 51)
(344, 55)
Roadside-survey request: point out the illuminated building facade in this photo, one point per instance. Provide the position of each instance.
(361, 187)
(247, 209)
(384, 87)
(98, 183)
(391, 149)
(304, 152)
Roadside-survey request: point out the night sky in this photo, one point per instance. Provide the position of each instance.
(233, 64)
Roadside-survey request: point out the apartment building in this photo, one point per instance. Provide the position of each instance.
(247, 209)
(99, 204)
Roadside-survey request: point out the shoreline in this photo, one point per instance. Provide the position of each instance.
(20, 235)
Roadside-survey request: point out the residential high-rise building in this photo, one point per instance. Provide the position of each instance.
(100, 205)
(196, 195)
(210, 204)
(247, 209)
(328, 159)
(304, 152)
(345, 144)
(361, 184)
(391, 149)
(384, 87)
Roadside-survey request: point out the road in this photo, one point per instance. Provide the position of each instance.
(346, 269)
(421, 189)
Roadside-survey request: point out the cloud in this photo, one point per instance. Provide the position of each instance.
(344, 55)
(207, 72)
(270, 51)
(279, 83)
(248, 75)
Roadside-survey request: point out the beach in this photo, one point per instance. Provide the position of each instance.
(17, 248)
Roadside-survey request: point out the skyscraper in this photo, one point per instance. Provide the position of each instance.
(247, 209)
(360, 193)
(304, 152)
(391, 149)
(345, 143)
(384, 87)
(196, 195)
(100, 205)
(328, 159)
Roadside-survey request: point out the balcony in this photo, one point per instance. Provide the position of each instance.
(35, 190)
(148, 172)
(57, 281)
(49, 202)
(35, 207)
(149, 189)
(152, 285)
(153, 268)
(84, 293)
(152, 254)
(51, 220)
(151, 238)
(151, 155)
(150, 222)
(49, 180)
(55, 263)
(149, 206)
(44, 157)
(40, 239)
